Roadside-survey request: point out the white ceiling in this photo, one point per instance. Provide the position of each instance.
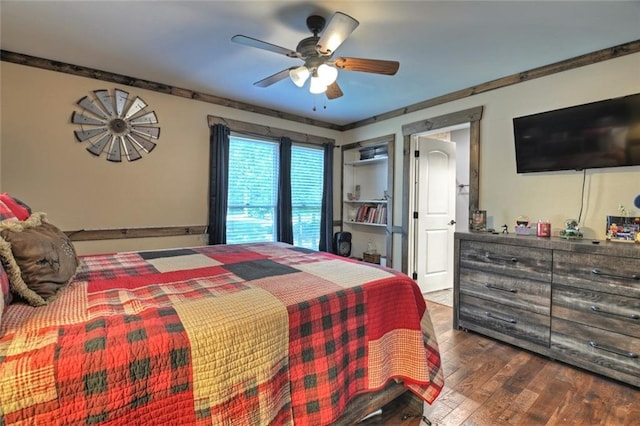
(442, 46)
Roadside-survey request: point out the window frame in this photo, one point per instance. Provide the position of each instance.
(319, 203)
(275, 134)
(235, 138)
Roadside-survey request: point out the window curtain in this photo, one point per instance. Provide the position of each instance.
(218, 183)
(284, 226)
(326, 218)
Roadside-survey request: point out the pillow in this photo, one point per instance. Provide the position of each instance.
(39, 258)
(23, 204)
(5, 293)
(5, 212)
(18, 208)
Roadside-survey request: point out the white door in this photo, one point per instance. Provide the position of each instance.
(436, 207)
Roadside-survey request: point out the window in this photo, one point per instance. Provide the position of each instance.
(307, 171)
(253, 192)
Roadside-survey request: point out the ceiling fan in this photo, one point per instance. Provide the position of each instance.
(317, 53)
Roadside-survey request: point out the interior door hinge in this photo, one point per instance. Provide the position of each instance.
(416, 154)
(414, 276)
(415, 215)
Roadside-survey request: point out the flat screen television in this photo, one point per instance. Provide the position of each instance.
(598, 134)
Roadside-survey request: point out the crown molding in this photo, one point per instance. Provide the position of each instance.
(543, 71)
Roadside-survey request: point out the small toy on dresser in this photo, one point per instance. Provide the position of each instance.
(571, 230)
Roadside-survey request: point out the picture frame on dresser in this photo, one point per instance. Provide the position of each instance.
(625, 229)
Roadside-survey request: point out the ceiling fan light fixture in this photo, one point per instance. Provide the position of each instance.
(299, 75)
(327, 74)
(317, 86)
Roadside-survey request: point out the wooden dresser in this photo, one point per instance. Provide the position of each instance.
(573, 301)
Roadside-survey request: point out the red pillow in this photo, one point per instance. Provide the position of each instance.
(5, 212)
(19, 211)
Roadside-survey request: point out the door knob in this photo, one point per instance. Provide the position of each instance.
(453, 222)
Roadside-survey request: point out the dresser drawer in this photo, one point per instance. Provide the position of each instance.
(593, 308)
(610, 274)
(604, 352)
(478, 314)
(516, 261)
(519, 293)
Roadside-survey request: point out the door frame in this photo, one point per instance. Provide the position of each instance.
(417, 194)
(471, 116)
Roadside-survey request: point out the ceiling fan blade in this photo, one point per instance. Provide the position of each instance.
(254, 42)
(333, 91)
(337, 30)
(375, 66)
(266, 82)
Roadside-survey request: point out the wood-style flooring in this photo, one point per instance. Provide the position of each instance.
(441, 297)
(492, 383)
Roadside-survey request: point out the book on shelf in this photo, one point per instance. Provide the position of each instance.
(372, 213)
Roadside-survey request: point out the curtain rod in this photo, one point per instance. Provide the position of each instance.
(246, 128)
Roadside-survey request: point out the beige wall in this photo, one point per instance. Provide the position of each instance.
(44, 165)
(41, 162)
(554, 196)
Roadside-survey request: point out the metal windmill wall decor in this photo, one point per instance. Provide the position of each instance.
(116, 124)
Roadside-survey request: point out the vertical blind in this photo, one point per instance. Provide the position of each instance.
(253, 186)
(252, 194)
(307, 170)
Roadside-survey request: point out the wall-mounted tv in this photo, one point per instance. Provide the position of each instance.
(598, 134)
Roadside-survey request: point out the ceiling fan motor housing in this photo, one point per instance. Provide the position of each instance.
(307, 48)
(315, 24)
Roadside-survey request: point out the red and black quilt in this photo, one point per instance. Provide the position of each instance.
(250, 334)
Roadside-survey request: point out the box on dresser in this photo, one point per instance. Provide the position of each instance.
(574, 301)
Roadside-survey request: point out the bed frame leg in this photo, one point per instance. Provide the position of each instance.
(392, 405)
(406, 409)
(413, 407)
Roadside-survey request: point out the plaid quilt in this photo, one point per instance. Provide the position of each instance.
(251, 334)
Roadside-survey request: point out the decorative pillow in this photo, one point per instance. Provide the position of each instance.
(5, 293)
(5, 212)
(18, 208)
(40, 260)
(23, 204)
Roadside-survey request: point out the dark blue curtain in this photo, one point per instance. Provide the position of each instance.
(326, 218)
(218, 183)
(284, 224)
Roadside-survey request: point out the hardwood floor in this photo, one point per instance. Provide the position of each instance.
(441, 297)
(492, 383)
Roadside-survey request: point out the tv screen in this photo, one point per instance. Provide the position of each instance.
(598, 134)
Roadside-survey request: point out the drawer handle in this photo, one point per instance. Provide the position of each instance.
(597, 309)
(490, 256)
(509, 320)
(613, 350)
(493, 287)
(603, 274)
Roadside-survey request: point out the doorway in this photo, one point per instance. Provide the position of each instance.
(439, 201)
(467, 171)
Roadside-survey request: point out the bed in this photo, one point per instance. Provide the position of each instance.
(248, 334)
